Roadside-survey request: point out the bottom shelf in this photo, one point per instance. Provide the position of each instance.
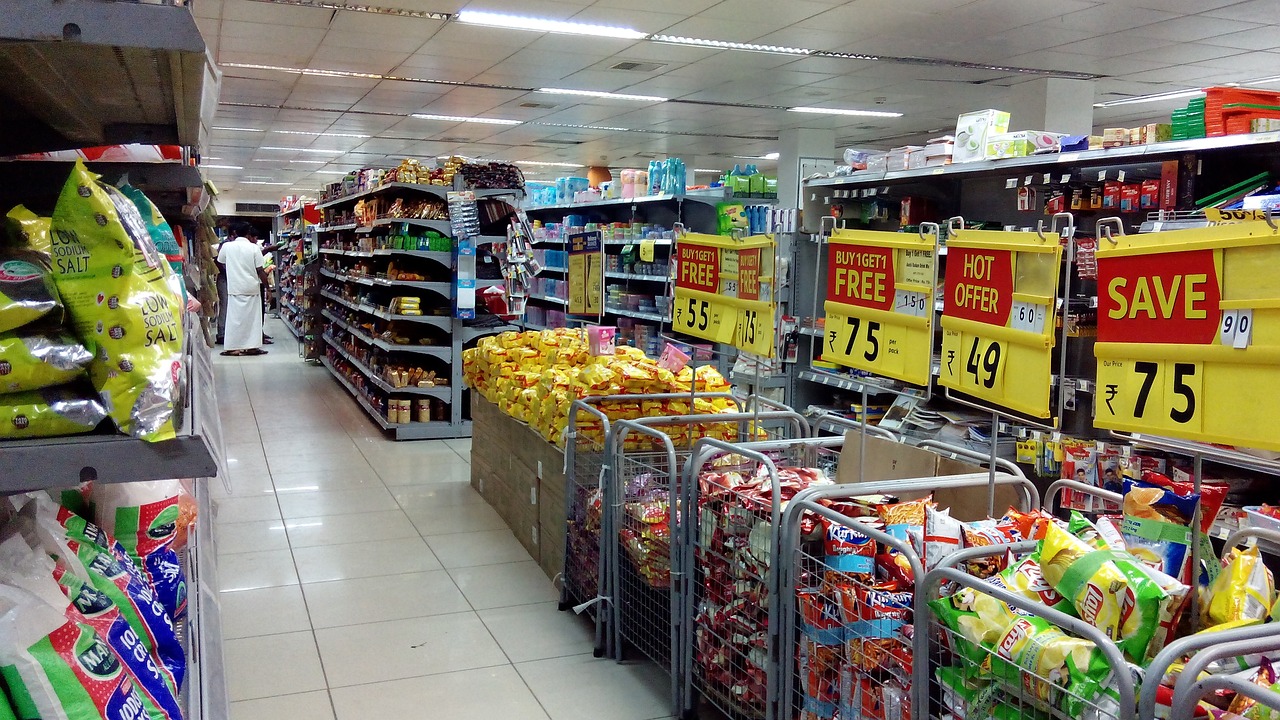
(403, 431)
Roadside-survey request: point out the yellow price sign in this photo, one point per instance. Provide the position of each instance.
(879, 306)
(1189, 334)
(723, 291)
(998, 318)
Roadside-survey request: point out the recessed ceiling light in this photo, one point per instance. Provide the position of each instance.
(599, 94)
(540, 163)
(236, 129)
(841, 111)
(707, 170)
(222, 167)
(461, 119)
(264, 182)
(309, 162)
(516, 22)
(320, 134)
(768, 156)
(1154, 97)
(331, 172)
(297, 149)
(727, 45)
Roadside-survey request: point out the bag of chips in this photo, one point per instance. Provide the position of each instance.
(975, 620)
(1042, 661)
(45, 413)
(847, 550)
(1245, 591)
(1025, 578)
(985, 533)
(940, 538)
(31, 362)
(27, 290)
(1157, 526)
(113, 281)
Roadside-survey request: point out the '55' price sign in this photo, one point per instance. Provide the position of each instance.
(705, 319)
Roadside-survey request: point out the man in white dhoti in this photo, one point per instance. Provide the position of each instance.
(243, 262)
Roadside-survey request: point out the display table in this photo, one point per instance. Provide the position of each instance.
(522, 476)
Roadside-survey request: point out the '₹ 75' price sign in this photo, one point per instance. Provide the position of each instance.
(1189, 334)
(879, 307)
(724, 290)
(998, 318)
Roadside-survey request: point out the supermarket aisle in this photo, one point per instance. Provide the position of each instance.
(364, 578)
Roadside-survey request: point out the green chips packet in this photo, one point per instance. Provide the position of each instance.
(115, 286)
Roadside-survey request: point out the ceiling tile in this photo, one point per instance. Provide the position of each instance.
(438, 67)
(1112, 45)
(372, 41)
(643, 20)
(781, 13)
(290, 15)
(386, 25)
(1254, 11)
(709, 28)
(1259, 38)
(1192, 28)
(332, 57)
(676, 7)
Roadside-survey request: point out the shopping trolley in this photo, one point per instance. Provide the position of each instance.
(644, 490)
(1221, 650)
(848, 647)
(584, 581)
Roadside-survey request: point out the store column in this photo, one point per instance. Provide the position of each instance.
(801, 152)
(1053, 105)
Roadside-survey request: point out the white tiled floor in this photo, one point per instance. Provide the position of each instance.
(364, 578)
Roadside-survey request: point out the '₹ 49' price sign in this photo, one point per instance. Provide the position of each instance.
(1189, 334)
(724, 290)
(998, 317)
(879, 306)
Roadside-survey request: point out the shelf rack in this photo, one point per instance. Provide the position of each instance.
(460, 334)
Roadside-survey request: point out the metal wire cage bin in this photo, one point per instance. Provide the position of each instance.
(735, 495)
(585, 579)
(996, 653)
(645, 491)
(848, 643)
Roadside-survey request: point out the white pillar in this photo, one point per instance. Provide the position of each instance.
(1051, 104)
(794, 148)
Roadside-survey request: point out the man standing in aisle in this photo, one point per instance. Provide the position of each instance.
(242, 260)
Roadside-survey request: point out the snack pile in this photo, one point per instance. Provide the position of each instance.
(536, 376)
(90, 316)
(87, 622)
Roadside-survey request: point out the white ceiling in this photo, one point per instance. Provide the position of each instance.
(1139, 46)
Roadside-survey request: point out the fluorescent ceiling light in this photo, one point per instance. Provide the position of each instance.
(516, 22)
(540, 163)
(460, 119)
(599, 94)
(1154, 97)
(223, 167)
(727, 45)
(769, 156)
(331, 172)
(841, 111)
(309, 162)
(320, 134)
(236, 129)
(707, 170)
(264, 182)
(297, 149)
(211, 158)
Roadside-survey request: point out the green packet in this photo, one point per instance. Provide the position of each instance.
(49, 412)
(31, 362)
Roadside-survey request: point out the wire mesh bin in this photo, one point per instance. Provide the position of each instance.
(648, 458)
(848, 646)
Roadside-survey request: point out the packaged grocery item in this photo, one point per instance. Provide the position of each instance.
(1031, 525)
(1245, 591)
(31, 362)
(28, 230)
(874, 617)
(900, 516)
(113, 281)
(940, 538)
(1242, 705)
(27, 290)
(143, 517)
(1041, 659)
(847, 550)
(975, 620)
(161, 234)
(1025, 578)
(984, 533)
(1157, 526)
(48, 412)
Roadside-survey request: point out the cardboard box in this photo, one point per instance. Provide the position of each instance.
(889, 460)
(897, 157)
(972, 131)
(1022, 143)
(1114, 137)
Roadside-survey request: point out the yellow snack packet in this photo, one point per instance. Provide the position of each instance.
(1246, 590)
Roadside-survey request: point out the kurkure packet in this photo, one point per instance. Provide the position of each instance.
(114, 284)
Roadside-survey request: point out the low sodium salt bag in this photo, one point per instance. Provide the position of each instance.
(45, 413)
(27, 290)
(31, 362)
(114, 284)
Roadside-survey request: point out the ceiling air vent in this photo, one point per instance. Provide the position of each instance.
(245, 207)
(549, 141)
(632, 66)
(537, 105)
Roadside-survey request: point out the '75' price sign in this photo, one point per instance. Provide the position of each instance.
(1188, 339)
(724, 290)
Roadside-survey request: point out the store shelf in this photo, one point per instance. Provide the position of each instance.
(471, 333)
(1212, 453)
(441, 226)
(1131, 153)
(549, 298)
(765, 381)
(336, 228)
(444, 323)
(555, 269)
(444, 258)
(442, 352)
(443, 288)
(635, 276)
(292, 330)
(403, 431)
(635, 314)
(136, 72)
(439, 191)
(657, 243)
(489, 282)
(842, 382)
(442, 393)
(710, 198)
(172, 186)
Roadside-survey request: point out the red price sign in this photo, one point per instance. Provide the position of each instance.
(1171, 298)
(979, 285)
(861, 275)
(749, 274)
(699, 268)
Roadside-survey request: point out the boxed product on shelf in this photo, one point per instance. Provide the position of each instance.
(899, 157)
(972, 131)
(1022, 143)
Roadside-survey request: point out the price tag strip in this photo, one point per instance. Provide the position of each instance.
(879, 307)
(1189, 334)
(999, 317)
(586, 274)
(724, 290)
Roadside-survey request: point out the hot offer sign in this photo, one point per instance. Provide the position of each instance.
(1188, 344)
(879, 306)
(998, 324)
(724, 291)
